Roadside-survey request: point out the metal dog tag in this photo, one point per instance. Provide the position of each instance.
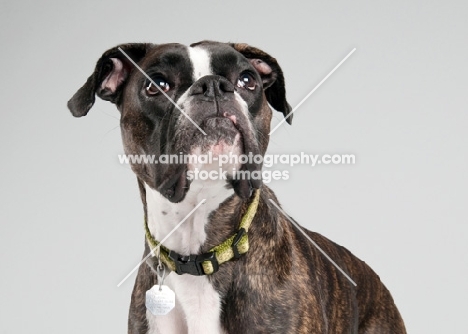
(160, 300)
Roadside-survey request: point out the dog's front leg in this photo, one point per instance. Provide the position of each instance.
(199, 302)
(171, 323)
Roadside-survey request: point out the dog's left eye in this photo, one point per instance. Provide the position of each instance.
(247, 81)
(151, 89)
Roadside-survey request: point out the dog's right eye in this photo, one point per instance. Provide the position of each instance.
(161, 85)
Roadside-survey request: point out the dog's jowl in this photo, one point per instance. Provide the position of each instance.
(233, 260)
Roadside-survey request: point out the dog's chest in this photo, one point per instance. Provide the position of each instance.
(197, 307)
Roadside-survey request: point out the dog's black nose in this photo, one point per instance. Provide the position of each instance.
(212, 86)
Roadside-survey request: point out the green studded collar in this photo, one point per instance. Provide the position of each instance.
(208, 263)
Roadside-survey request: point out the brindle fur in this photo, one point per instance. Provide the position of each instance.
(283, 284)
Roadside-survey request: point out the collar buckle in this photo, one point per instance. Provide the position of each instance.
(193, 264)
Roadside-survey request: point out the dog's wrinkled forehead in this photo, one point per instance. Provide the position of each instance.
(216, 58)
(197, 60)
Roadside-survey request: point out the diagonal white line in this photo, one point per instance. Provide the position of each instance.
(157, 86)
(313, 90)
(313, 243)
(151, 253)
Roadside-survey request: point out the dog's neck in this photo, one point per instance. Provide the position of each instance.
(163, 215)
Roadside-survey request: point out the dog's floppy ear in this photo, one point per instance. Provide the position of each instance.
(272, 76)
(109, 76)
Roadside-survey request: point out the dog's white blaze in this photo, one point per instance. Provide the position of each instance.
(197, 307)
(201, 60)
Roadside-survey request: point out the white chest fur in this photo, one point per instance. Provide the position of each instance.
(197, 308)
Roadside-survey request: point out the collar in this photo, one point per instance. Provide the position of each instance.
(208, 263)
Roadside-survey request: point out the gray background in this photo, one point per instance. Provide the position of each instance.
(71, 218)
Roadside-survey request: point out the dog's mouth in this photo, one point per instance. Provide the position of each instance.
(219, 151)
(222, 137)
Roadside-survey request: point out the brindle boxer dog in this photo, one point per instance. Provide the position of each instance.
(237, 265)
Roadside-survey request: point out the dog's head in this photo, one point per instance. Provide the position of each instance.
(209, 97)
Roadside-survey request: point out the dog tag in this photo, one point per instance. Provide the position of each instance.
(160, 300)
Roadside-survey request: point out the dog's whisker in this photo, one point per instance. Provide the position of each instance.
(113, 129)
(111, 116)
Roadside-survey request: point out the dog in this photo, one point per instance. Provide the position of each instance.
(235, 262)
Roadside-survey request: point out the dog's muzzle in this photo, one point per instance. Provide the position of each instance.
(213, 104)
